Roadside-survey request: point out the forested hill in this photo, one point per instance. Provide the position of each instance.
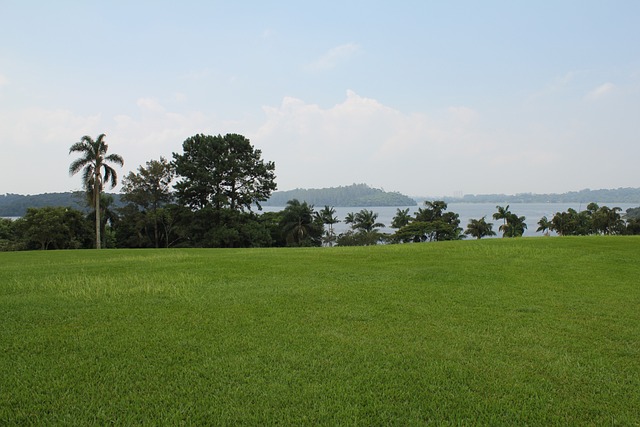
(17, 204)
(356, 195)
(616, 195)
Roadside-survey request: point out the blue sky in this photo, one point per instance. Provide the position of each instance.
(427, 98)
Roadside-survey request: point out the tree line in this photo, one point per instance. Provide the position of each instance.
(210, 195)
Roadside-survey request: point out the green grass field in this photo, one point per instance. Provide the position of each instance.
(536, 331)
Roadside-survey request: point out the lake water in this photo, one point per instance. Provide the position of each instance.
(466, 211)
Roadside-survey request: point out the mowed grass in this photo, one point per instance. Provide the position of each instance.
(536, 331)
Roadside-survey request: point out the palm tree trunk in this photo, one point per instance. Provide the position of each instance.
(96, 197)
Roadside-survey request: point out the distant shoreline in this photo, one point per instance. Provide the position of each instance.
(16, 205)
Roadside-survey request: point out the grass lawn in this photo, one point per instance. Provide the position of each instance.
(537, 331)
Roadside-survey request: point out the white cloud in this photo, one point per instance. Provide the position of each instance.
(35, 148)
(155, 131)
(36, 142)
(454, 148)
(362, 140)
(335, 56)
(150, 105)
(4, 81)
(601, 91)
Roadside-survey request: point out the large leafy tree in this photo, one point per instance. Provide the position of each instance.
(149, 190)
(96, 171)
(54, 228)
(222, 172)
(432, 223)
(606, 220)
(593, 220)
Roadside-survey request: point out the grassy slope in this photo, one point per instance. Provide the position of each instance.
(528, 331)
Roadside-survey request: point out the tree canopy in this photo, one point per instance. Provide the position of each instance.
(222, 172)
(430, 223)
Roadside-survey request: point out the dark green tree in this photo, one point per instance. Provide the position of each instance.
(53, 228)
(502, 214)
(272, 222)
(300, 226)
(606, 220)
(366, 221)
(544, 224)
(350, 219)
(432, 223)
(401, 219)
(415, 231)
(633, 226)
(572, 223)
(7, 235)
(96, 171)
(149, 190)
(513, 225)
(364, 229)
(479, 228)
(222, 172)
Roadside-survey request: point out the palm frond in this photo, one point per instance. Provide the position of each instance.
(78, 164)
(79, 147)
(110, 175)
(115, 158)
(88, 176)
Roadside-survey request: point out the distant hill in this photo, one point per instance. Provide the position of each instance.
(618, 195)
(356, 195)
(17, 204)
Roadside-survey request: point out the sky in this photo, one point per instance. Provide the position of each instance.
(428, 98)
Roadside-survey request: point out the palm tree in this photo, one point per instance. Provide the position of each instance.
(544, 225)
(95, 170)
(514, 226)
(401, 219)
(365, 221)
(298, 224)
(479, 228)
(328, 217)
(503, 214)
(350, 219)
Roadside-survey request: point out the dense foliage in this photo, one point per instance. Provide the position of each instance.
(222, 172)
(164, 223)
(594, 220)
(430, 224)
